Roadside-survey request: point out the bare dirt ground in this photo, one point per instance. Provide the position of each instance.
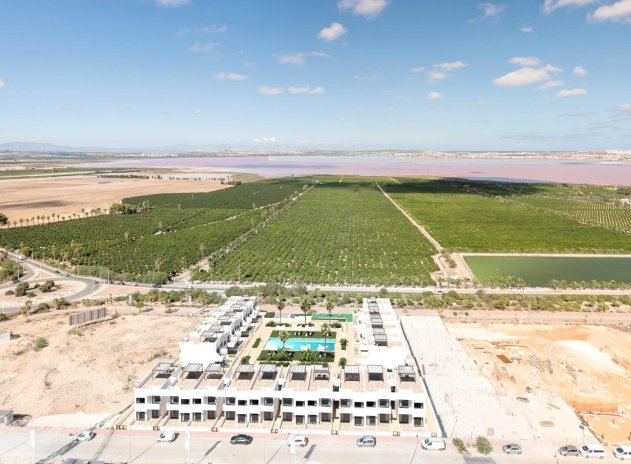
(586, 365)
(90, 370)
(29, 197)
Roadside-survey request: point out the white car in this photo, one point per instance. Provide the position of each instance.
(623, 453)
(166, 437)
(434, 444)
(85, 436)
(297, 440)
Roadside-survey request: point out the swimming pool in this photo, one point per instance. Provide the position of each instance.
(301, 344)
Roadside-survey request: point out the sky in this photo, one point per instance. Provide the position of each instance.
(317, 74)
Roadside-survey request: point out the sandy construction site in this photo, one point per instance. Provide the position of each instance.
(588, 366)
(89, 370)
(25, 198)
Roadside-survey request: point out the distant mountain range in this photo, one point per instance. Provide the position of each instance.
(47, 147)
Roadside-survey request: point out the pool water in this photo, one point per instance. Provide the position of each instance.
(301, 344)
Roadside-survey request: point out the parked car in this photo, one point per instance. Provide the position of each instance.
(85, 436)
(594, 450)
(367, 441)
(511, 448)
(623, 453)
(166, 437)
(569, 450)
(434, 444)
(241, 439)
(297, 440)
(523, 399)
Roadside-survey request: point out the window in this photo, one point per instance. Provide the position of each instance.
(300, 404)
(404, 404)
(254, 402)
(230, 401)
(185, 401)
(418, 405)
(345, 403)
(384, 403)
(359, 404)
(197, 401)
(140, 401)
(155, 399)
(288, 402)
(267, 401)
(312, 403)
(174, 400)
(211, 400)
(325, 402)
(242, 402)
(370, 404)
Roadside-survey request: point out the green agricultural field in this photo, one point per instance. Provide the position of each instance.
(245, 196)
(338, 233)
(153, 245)
(466, 216)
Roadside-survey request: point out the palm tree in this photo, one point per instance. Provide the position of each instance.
(305, 306)
(326, 332)
(280, 304)
(283, 336)
(329, 307)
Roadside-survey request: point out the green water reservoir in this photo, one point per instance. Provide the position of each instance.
(538, 271)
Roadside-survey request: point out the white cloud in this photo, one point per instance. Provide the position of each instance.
(437, 75)
(550, 5)
(439, 71)
(490, 10)
(265, 140)
(570, 93)
(523, 76)
(173, 2)
(270, 91)
(197, 111)
(626, 108)
(527, 29)
(319, 54)
(618, 11)
(230, 76)
(334, 31)
(450, 66)
(388, 109)
(295, 58)
(2, 84)
(552, 69)
(306, 90)
(525, 61)
(434, 96)
(203, 47)
(579, 71)
(366, 8)
(217, 28)
(551, 85)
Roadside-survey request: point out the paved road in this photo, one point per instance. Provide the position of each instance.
(141, 447)
(94, 285)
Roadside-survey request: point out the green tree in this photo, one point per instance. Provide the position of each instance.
(4, 219)
(329, 307)
(283, 337)
(326, 333)
(280, 304)
(21, 289)
(305, 306)
(483, 446)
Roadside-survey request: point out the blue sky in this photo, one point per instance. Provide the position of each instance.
(317, 74)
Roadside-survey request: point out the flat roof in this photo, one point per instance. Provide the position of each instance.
(321, 368)
(214, 367)
(245, 369)
(297, 369)
(194, 367)
(351, 369)
(406, 370)
(266, 368)
(163, 368)
(375, 369)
